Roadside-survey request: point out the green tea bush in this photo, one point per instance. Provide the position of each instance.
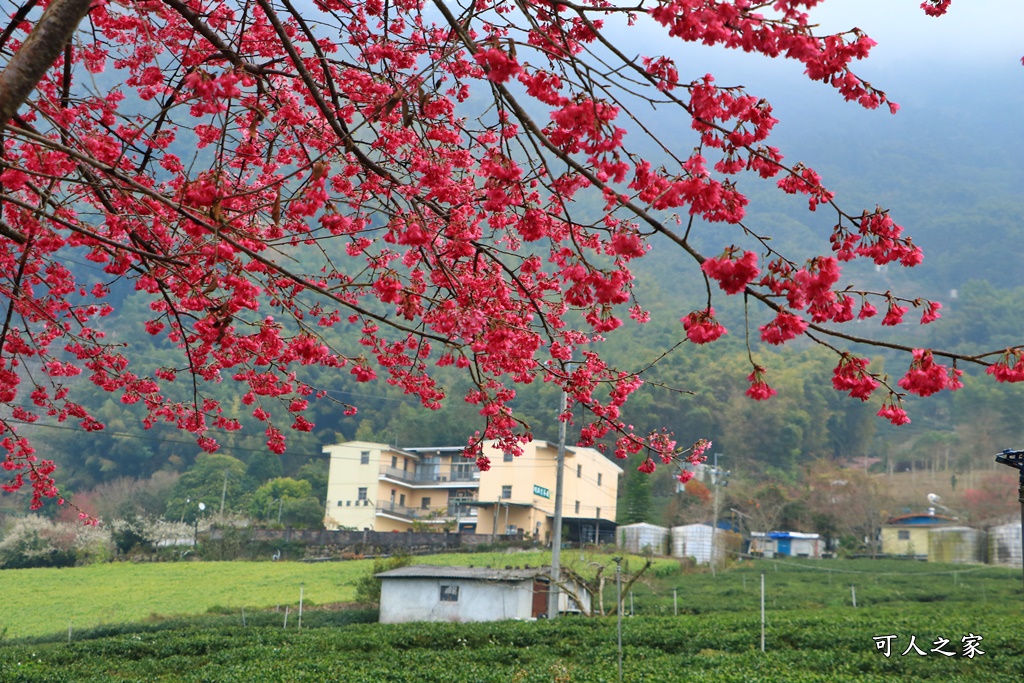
(368, 586)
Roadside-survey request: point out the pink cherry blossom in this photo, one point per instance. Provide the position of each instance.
(701, 326)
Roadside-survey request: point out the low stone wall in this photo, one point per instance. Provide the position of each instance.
(335, 544)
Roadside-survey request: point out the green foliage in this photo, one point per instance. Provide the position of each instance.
(262, 467)
(635, 499)
(368, 585)
(316, 473)
(213, 475)
(289, 502)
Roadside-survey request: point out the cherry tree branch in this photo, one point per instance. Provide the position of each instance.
(38, 53)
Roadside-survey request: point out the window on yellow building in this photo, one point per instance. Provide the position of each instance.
(579, 471)
(362, 493)
(506, 491)
(598, 515)
(425, 504)
(364, 458)
(508, 456)
(903, 534)
(577, 507)
(598, 478)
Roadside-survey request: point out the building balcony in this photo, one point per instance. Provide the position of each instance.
(460, 475)
(435, 513)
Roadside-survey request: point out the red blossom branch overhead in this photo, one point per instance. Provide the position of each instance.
(269, 176)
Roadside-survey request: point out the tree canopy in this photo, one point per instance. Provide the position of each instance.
(386, 189)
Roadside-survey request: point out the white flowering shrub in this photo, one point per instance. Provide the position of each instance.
(35, 541)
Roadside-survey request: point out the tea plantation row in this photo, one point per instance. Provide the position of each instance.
(802, 647)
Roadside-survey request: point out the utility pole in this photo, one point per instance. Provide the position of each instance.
(719, 478)
(556, 533)
(224, 494)
(618, 607)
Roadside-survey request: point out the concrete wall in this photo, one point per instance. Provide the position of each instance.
(406, 599)
(805, 547)
(332, 544)
(346, 476)
(915, 546)
(957, 545)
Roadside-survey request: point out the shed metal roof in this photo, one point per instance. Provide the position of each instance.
(426, 571)
(920, 519)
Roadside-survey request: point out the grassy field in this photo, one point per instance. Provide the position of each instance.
(42, 601)
(687, 626)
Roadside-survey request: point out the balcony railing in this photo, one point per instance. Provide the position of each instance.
(452, 474)
(431, 513)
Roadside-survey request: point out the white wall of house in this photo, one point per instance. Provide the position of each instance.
(806, 547)
(419, 599)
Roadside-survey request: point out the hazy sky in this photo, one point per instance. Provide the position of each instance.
(972, 30)
(938, 53)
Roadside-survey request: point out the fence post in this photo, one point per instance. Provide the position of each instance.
(618, 608)
(762, 611)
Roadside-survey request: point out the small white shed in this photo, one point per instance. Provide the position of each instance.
(464, 594)
(642, 538)
(785, 544)
(692, 540)
(1004, 546)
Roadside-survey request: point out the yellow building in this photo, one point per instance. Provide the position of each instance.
(908, 534)
(519, 493)
(384, 488)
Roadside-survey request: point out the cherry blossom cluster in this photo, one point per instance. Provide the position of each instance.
(271, 183)
(665, 450)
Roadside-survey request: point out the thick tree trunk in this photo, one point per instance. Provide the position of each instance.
(39, 51)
